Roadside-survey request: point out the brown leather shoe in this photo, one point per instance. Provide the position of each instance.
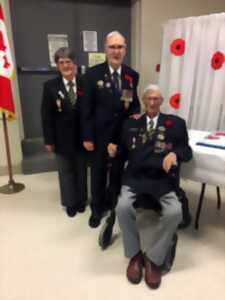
(152, 273)
(134, 269)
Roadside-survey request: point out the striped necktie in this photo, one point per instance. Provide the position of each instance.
(72, 95)
(150, 128)
(116, 82)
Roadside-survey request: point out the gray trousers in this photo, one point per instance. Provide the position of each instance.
(170, 217)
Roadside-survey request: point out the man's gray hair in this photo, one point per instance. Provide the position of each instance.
(153, 88)
(112, 33)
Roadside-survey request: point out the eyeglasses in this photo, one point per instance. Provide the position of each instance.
(154, 98)
(118, 47)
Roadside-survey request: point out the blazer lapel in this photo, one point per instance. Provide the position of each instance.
(160, 121)
(106, 71)
(143, 122)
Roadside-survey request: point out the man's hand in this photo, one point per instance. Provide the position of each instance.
(112, 149)
(135, 116)
(169, 160)
(88, 145)
(50, 148)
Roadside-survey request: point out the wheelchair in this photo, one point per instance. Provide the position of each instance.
(147, 202)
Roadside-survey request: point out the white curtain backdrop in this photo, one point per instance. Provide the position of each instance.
(192, 75)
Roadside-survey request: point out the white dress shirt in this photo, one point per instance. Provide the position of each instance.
(155, 120)
(67, 87)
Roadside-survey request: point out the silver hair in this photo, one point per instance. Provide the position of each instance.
(112, 33)
(153, 88)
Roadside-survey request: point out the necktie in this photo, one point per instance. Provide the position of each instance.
(150, 128)
(116, 83)
(72, 95)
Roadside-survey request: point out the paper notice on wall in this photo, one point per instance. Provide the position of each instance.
(56, 41)
(90, 43)
(95, 58)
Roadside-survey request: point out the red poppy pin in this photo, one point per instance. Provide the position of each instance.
(175, 101)
(80, 93)
(129, 78)
(168, 123)
(217, 60)
(177, 47)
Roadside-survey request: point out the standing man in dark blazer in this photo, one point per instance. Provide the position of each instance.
(153, 145)
(60, 113)
(110, 98)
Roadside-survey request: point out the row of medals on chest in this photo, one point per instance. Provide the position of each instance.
(126, 94)
(147, 135)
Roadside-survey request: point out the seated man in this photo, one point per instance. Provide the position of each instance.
(152, 145)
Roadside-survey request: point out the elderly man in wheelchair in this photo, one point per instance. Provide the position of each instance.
(153, 146)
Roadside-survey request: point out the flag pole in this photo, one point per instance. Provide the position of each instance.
(12, 187)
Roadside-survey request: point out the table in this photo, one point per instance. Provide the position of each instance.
(207, 167)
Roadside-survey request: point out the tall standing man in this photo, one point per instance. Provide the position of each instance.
(110, 98)
(60, 113)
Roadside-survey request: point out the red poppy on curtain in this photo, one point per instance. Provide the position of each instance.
(177, 47)
(175, 101)
(217, 60)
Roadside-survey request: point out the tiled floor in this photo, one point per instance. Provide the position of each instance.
(44, 255)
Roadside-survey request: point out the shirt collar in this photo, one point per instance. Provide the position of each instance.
(119, 70)
(65, 81)
(155, 120)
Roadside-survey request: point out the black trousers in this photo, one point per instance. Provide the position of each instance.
(72, 171)
(105, 181)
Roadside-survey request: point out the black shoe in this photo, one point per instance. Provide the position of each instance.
(71, 211)
(95, 220)
(81, 208)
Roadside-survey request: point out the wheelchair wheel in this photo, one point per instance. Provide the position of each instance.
(105, 235)
(169, 259)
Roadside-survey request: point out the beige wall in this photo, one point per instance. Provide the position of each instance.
(147, 19)
(15, 128)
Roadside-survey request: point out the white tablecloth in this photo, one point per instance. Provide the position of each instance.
(207, 165)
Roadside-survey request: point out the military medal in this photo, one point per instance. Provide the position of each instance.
(100, 84)
(161, 129)
(59, 100)
(133, 143)
(61, 95)
(127, 97)
(59, 105)
(160, 137)
(143, 137)
(160, 144)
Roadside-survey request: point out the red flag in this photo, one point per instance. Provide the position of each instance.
(6, 72)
